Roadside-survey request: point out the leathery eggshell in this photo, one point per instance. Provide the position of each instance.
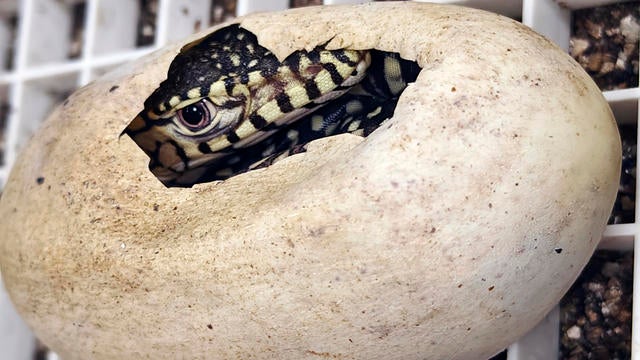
(446, 234)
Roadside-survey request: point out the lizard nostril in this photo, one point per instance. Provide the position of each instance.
(312, 70)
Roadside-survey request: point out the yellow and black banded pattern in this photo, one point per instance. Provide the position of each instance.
(228, 105)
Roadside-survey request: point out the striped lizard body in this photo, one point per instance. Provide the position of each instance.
(228, 105)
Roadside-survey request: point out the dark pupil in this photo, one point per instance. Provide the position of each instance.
(193, 114)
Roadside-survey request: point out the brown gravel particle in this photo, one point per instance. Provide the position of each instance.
(604, 41)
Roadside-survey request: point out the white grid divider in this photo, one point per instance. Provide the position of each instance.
(41, 72)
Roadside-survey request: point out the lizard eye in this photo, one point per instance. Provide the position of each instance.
(195, 116)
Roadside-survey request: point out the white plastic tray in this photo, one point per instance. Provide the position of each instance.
(42, 75)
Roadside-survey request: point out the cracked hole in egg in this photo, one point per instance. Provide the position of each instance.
(229, 105)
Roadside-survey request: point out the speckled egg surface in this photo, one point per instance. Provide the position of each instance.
(445, 234)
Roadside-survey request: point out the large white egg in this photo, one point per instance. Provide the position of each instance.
(446, 234)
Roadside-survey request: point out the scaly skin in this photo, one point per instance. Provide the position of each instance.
(228, 105)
